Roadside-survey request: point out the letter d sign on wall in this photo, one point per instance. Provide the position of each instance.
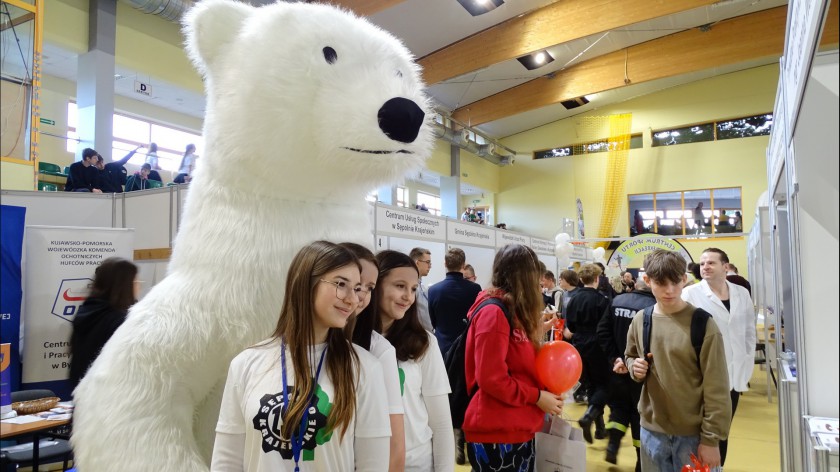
(142, 89)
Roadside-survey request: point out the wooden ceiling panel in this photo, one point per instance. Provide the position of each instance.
(551, 25)
(365, 7)
(740, 39)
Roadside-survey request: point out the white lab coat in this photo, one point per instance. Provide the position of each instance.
(736, 325)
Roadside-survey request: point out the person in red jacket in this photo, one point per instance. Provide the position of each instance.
(509, 403)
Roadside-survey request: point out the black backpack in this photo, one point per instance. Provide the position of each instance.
(454, 360)
(698, 330)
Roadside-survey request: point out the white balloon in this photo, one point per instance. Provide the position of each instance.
(564, 262)
(598, 253)
(562, 238)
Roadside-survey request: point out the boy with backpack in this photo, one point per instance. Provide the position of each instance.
(677, 352)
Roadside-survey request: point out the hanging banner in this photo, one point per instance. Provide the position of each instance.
(410, 224)
(470, 233)
(581, 232)
(631, 253)
(542, 246)
(12, 220)
(58, 271)
(504, 237)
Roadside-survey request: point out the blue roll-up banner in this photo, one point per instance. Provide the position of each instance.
(13, 222)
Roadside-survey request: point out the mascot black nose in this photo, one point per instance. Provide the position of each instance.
(400, 119)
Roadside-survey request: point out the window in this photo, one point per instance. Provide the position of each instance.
(432, 202)
(745, 127)
(130, 132)
(705, 211)
(601, 145)
(402, 197)
(759, 125)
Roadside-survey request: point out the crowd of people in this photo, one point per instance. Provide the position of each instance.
(361, 342)
(722, 223)
(92, 174)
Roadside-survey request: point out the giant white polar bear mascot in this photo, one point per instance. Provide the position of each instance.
(308, 109)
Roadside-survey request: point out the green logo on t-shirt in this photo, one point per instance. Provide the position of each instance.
(402, 381)
(269, 420)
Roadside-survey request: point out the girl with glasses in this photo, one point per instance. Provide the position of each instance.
(374, 342)
(429, 442)
(306, 399)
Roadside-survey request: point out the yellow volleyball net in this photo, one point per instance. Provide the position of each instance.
(601, 171)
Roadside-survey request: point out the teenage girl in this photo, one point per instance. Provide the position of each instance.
(382, 350)
(508, 405)
(306, 399)
(429, 442)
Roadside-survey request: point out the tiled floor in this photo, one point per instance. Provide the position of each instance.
(753, 445)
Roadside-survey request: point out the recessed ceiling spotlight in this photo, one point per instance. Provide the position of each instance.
(480, 7)
(535, 60)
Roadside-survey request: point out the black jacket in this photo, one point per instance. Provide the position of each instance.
(93, 326)
(81, 177)
(612, 330)
(449, 301)
(584, 312)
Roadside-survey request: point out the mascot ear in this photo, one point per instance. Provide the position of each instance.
(209, 26)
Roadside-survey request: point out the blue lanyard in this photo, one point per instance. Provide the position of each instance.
(297, 438)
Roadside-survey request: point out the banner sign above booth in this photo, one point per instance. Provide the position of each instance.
(542, 246)
(409, 224)
(503, 238)
(470, 233)
(631, 253)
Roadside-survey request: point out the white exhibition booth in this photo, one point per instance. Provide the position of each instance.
(155, 214)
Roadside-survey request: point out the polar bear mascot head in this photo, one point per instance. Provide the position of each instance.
(308, 109)
(305, 91)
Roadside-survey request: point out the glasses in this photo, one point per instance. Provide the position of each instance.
(364, 294)
(343, 290)
(425, 262)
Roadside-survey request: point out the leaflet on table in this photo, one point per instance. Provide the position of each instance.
(824, 425)
(51, 415)
(829, 440)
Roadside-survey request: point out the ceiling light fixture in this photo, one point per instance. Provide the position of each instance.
(535, 60)
(575, 102)
(480, 7)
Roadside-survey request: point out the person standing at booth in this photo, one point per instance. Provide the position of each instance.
(185, 168)
(115, 289)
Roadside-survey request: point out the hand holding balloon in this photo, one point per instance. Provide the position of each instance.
(558, 366)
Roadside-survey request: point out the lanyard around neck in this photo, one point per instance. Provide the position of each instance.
(297, 437)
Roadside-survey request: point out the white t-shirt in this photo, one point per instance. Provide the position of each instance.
(252, 403)
(189, 160)
(152, 160)
(387, 355)
(423, 377)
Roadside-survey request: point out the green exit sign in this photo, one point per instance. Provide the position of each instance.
(45, 121)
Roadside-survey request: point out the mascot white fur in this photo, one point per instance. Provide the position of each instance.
(308, 109)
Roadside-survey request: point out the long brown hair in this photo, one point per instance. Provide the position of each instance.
(113, 281)
(407, 335)
(296, 326)
(363, 254)
(516, 273)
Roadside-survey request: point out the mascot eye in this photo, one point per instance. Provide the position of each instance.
(330, 55)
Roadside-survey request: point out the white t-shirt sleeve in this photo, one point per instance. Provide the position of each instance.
(372, 420)
(387, 356)
(443, 439)
(371, 454)
(231, 420)
(228, 453)
(435, 381)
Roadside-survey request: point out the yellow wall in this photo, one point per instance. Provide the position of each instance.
(145, 43)
(16, 175)
(536, 194)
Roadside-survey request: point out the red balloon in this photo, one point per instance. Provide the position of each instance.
(559, 366)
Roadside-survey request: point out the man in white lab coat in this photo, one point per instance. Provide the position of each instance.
(732, 309)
